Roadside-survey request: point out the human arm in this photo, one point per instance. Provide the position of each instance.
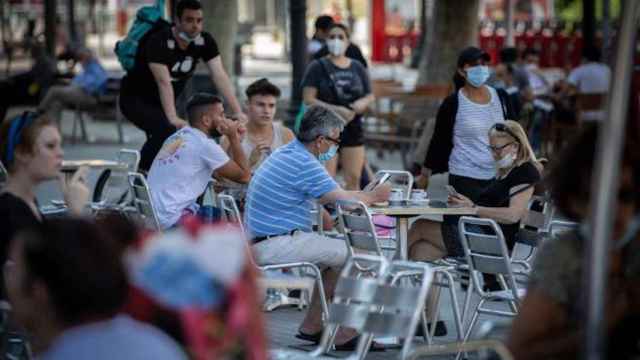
(165, 89)
(504, 215)
(441, 145)
(379, 194)
(237, 169)
(223, 83)
(310, 97)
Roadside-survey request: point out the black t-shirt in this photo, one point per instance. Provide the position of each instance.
(497, 194)
(162, 48)
(351, 83)
(15, 215)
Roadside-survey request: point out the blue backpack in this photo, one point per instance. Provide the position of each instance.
(149, 20)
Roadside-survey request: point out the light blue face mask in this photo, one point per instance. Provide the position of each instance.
(478, 75)
(324, 157)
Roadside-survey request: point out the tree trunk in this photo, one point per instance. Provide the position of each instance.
(220, 19)
(456, 27)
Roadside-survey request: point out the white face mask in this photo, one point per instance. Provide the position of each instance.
(506, 161)
(335, 46)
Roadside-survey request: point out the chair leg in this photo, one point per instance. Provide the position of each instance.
(76, 115)
(83, 129)
(474, 319)
(119, 125)
(454, 304)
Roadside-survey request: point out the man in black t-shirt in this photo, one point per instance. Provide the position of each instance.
(168, 59)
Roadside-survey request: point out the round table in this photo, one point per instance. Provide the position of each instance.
(402, 214)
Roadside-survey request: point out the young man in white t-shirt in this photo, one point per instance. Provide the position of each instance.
(185, 164)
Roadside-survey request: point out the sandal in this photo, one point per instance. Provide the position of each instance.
(314, 338)
(353, 343)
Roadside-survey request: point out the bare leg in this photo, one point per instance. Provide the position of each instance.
(425, 241)
(352, 161)
(426, 244)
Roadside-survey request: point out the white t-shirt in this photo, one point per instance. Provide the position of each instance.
(181, 171)
(591, 78)
(470, 156)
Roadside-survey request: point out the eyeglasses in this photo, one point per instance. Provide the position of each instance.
(341, 37)
(496, 149)
(504, 128)
(335, 141)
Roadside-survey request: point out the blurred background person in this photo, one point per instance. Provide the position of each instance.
(70, 270)
(32, 153)
(549, 321)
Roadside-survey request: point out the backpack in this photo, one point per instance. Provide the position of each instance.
(149, 20)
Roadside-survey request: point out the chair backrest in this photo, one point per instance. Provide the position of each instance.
(486, 251)
(129, 158)
(354, 293)
(356, 224)
(4, 175)
(142, 200)
(380, 305)
(397, 305)
(535, 223)
(116, 188)
(230, 211)
(399, 179)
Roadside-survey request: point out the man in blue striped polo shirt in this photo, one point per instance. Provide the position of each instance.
(278, 205)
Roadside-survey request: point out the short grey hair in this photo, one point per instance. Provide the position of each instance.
(318, 121)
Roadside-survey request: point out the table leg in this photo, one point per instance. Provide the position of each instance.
(402, 228)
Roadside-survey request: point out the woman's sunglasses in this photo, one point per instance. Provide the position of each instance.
(504, 128)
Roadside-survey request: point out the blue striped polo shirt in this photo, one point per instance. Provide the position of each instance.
(282, 189)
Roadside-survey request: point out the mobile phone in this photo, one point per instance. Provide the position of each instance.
(381, 179)
(452, 191)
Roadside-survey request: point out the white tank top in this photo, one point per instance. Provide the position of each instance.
(470, 156)
(256, 157)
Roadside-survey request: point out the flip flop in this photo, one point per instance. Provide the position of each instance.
(314, 338)
(353, 343)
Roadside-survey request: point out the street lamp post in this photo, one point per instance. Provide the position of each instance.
(297, 16)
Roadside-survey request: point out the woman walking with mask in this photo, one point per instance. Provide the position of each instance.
(343, 85)
(460, 144)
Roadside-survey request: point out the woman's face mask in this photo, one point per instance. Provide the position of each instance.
(506, 161)
(336, 46)
(477, 75)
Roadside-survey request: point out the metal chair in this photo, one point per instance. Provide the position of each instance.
(350, 307)
(281, 282)
(112, 191)
(356, 225)
(486, 252)
(395, 175)
(534, 228)
(142, 201)
(381, 306)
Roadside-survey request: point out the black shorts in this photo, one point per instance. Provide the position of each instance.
(353, 134)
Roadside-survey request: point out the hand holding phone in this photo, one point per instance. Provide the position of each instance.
(377, 182)
(452, 191)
